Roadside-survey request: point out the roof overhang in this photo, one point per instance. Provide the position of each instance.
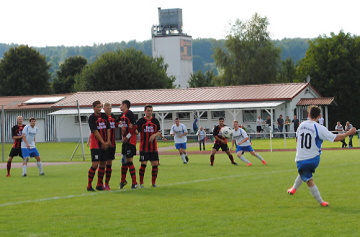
(315, 101)
(182, 107)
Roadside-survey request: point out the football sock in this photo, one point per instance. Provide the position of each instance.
(258, 156)
(297, 183)
(212, 158)
(244, 159)
(101, 172)
(315, 192)
(108, 172)
(231, 158)
(132, 172)
(91, 174)
(24, 169)
(154, 174)
(182, 156)
(142, 173)
(8, 167)
(124, 169)
(39, 165)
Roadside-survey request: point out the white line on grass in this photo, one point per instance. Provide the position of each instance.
(179, 183)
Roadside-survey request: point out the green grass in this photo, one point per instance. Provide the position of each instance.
(191, 200)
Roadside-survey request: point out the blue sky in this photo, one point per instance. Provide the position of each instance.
(80, 22)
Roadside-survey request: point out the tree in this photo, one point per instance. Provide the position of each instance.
(127, 69)
(333, 64)
(23, 71)
(65, 79)
(199, 79)
(287, 71)
(248, 56)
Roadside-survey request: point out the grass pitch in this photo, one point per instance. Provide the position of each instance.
(190, 200)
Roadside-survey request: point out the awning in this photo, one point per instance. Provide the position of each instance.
(315, 101)
(181, 107)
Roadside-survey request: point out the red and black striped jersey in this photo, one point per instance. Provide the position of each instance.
(146, 128)
(216, 132)
(124, 120)
(113, 126)
(100, 124)
(17, 131)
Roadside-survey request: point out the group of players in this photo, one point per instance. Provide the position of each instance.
(310, 136)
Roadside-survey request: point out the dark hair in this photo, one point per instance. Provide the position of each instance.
(314, 111)
(127, 103)
(32, 118)
(221, 118)
(176, 118)
(147, 106)
(95, 103)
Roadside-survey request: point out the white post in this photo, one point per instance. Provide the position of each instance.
(81, 132)
(3, 132)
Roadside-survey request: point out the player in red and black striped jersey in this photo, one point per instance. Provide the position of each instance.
(149, 129)
(16, 133)
(220, 142)
(112, 145)
(127, 125)
(99, 142)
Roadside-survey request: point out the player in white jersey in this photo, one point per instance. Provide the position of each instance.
(179, 131)
(242, 142)
(310, 136)
(28, 147)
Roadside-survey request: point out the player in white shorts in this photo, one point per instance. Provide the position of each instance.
(242, 142)
(179, 131)
(310, 136)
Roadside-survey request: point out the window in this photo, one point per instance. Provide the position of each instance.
(183, 115)
(217, 114)
(249, 115)
(84, 119)
(169, 116)
(204, 116)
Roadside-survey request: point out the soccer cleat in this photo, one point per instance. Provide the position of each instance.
(134, 186)
(154, 185)
(264, 162)
(107, 187)
(248, 164)
(291, 191)
(24, 175)
(141, 186)
(185, 163)
(8, 175)
(325, 204)
(234, 163)
(122, 184)
(187, 158)
(42, 173)
(90, 189)
(100, 188)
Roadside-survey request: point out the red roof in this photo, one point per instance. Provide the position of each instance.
(246, 93)
(18, 102)
(316, 101)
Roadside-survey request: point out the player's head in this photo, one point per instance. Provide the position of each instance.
(148, 109)
(107, 108)
(314, 112)
(19, 119)
(236, 124)
(97, 106)
(221, 121)
(96, 103)
(125, 105)
(32, 121)
(177, 121)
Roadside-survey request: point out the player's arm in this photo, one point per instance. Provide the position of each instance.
(14, 135)
(99, 138)
(342, 136)
(24, 139)
(186, 131)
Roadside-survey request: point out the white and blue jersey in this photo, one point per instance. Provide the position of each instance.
(239, 135)
(310, 136)
(177, 131)
(30, 133)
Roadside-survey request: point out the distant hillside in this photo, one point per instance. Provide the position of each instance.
(202, 51)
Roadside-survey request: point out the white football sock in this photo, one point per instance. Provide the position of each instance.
(258, 156)
(315, 192)
(297, 183)
(24, 169)
(39, 165)
(183, 157)
(244, 159)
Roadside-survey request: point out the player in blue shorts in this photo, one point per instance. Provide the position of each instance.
(310, 136)
(28, 147)
(179, 131)
(243, 144)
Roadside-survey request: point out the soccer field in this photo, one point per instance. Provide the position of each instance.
(190, 200)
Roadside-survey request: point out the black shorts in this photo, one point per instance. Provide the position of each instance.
(15, 152)
(149, 156)
(258, 128)
(129, 150)
(110, 153)
(224, 147)
(98, 154)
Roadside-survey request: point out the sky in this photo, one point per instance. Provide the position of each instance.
(41, 23)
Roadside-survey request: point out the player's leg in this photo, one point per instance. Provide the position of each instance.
(8, 164)
(35, 153)
(26, 157)
(131, 152)
(257, 155)
(212, 154)
(108, 166)
(240, 154)
(124, 166)
(297, 183)
(179, 147)
(227, 151)
(144, 157)
(92, 170)
(315, 192)
(154, 158)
